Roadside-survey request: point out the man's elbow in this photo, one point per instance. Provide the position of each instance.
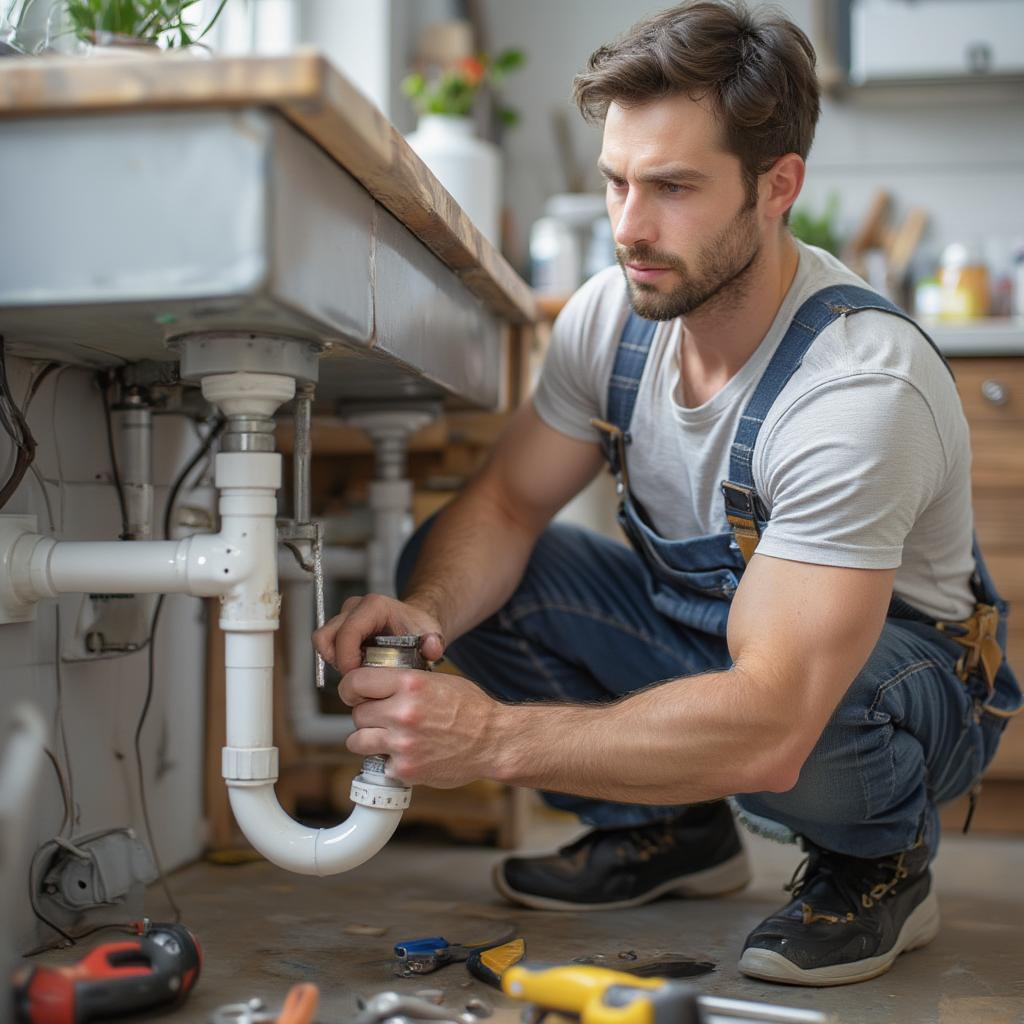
(777, 767)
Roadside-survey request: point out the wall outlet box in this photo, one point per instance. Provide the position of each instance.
(11, 609)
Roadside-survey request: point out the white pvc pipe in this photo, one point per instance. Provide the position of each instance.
(339, 562)
(308, 723)
(285, 842)
(240, 565)
(304, 850)
(155, 566)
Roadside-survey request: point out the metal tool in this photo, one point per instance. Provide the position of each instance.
(422, 956)
(596, 995)
(303, 537)
(160, 965)
(387, 1006)
(299, 1008)
(656, 963)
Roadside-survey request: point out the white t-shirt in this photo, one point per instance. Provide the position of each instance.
(862, 461)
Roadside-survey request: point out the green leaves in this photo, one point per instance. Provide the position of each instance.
(454, 90)
(149, 21)
(820, 230)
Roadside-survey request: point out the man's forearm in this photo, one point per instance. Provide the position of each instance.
(470, 563)
(688, 740)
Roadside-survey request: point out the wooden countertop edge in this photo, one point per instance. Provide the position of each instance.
(320, 102)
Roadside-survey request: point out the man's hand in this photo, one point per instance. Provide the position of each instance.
(438, 729)
(340, 640)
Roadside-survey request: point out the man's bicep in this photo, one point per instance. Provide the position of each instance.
(802, 632)
(536, 469)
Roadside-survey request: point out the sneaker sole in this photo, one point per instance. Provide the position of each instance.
(918, 930)
(729, 876)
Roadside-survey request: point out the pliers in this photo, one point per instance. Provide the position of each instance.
(299, 1008)
(421, 956)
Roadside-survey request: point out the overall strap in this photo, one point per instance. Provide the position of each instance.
(743, 508)
(628, 368)
(623, 386)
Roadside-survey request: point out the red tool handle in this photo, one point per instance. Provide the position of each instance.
(160, 966)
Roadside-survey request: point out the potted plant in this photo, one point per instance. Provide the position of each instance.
(132, 25)
(468, 167)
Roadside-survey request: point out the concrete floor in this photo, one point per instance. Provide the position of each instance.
(262, 930)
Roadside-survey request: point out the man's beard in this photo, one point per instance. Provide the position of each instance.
(721, 271)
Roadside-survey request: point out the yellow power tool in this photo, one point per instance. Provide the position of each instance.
(596, 995)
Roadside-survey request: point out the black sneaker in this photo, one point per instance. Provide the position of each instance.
(696, 854)
(849, 921)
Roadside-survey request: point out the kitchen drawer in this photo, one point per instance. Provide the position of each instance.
(997, 455)
(992, 390)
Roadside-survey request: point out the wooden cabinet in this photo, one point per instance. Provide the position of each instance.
(992, 391)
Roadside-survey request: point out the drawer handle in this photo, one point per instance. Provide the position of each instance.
(995, 393)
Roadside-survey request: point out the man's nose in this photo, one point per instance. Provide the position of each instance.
(635, 225)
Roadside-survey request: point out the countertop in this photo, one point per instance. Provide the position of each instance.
(318, 100)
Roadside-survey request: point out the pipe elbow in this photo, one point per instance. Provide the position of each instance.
(304, 850)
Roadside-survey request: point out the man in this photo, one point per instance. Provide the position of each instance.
(791, 620)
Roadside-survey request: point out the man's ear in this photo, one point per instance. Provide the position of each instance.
(780, 185)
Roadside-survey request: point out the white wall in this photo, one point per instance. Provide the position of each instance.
(102, 700)
(957, 149)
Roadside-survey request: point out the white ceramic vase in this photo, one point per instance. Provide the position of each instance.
(468, 167)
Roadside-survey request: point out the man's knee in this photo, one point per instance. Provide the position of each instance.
(410, 553)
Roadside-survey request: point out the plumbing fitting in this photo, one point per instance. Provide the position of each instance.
(239, 565)
(374, 787)
(134, 416)
(390, 495)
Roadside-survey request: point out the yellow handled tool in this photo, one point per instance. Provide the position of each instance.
(597, 995)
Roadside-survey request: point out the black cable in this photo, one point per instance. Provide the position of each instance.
(37, 383)
(172, 497)
(202, 450)
(63, 789)
(35, 909)
(150, 675)
(15, 425)
(103, 379)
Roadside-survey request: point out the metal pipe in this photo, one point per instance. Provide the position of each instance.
(135, 423)
(301, 453)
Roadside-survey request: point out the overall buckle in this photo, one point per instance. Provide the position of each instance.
(741, 508)
(616, 439)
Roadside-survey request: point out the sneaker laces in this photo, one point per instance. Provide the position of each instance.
(849, 886)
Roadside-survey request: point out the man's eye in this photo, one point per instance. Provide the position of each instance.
(616, 183)
(673, 189)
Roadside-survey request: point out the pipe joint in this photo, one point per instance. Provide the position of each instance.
(390, 495)
(248, 766)
(218, 563)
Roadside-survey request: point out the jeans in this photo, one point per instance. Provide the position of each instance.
(581, 628)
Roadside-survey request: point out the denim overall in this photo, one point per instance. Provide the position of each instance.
(591, 622)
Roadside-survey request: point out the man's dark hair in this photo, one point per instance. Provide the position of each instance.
(756, 68)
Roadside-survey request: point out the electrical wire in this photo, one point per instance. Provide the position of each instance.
(13, 422)
(59, 712)
(63, 789)
(150, 677)
(172, 498)
(104, 380)
(67, 791)
(172, 495)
